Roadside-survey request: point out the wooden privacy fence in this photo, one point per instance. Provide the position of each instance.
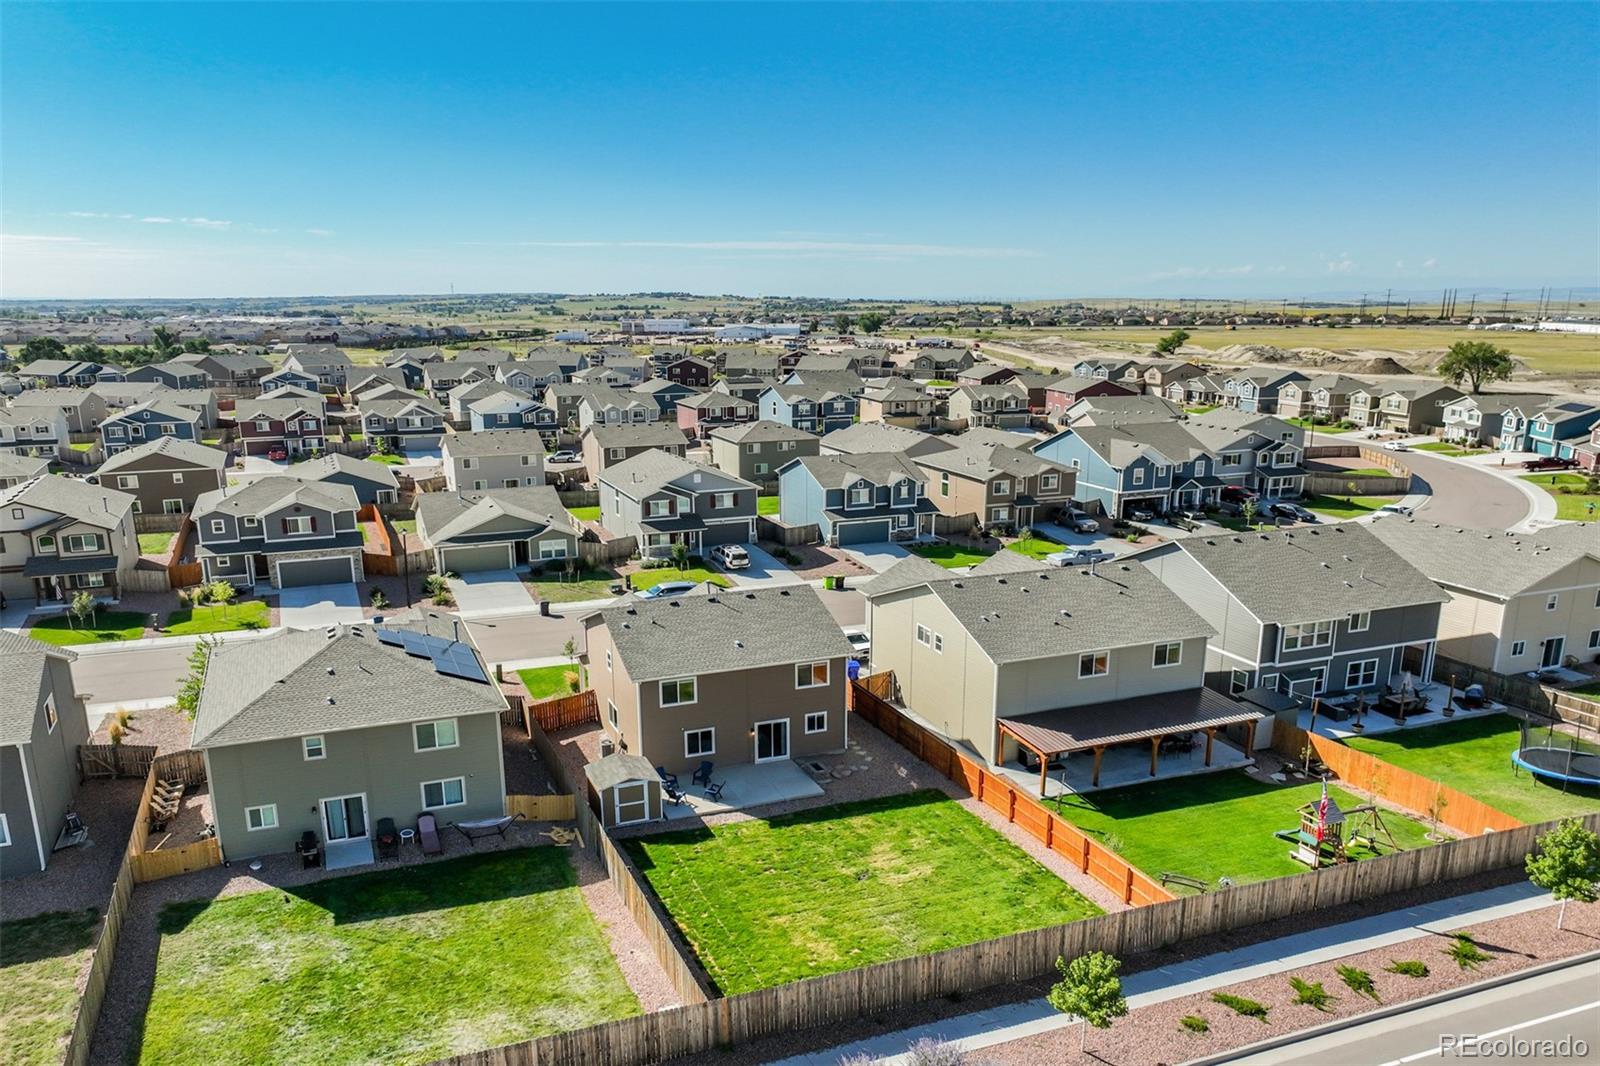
(552, 808)
(418, 563)
(696, 1028)
(1521, 692)
(1133, 886)
(563, 712)
(188, 768)
(115, 760)
(181, 574)
(1401, 787)
(93, 995)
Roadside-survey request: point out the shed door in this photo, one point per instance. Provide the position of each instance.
(632, 803)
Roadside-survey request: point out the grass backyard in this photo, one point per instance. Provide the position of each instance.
(649, 579)
(218, 618)
(1034, 547)
(1574, 504)
(767, 504)
(1212, 826)
(545, 682)
(585, 514)
(1444, 447)
(1319, 427)
(403, 966)
(1474, 756)
(155, 543)
(103, 628)
(584, 585)
(404, 525)
(1346, 506)
(40, 959)
(775, 900)
(949, 556)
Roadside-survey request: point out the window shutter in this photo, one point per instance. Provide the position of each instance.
(285, 523)
(313, 523)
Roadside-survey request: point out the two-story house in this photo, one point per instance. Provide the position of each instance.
(235, 371)
(499, 458)
(1107, 368)
(279, 531)
(856, 499)
(36, 432)
(898, 403)
(289, 377)
(438, 379)
(809, 407)
(61, 373)
(511, 410)
(1257, 390)
(764, 365)
(665, 393)
(1410, 407)
(83, 409)
(165, 475)
(604, 446)
(938, 364)
(986, 374)
(756, 450)
(663, 500)
(404, 424)
(364, 379)
(458, 402)
(292, 425)
(1308, 612)
(1479, 418)
(60, 536)
(1007, 488)
(1322, 398)
(736, 676)
(1065, 392)
(1262, 453)
(1588, 454)
(373, 483)
(148, 421)
(845, 381)
(1124, 469)
(331, 732)
(1560, 426)
(1162, 374)
(42, 723)
(329, 366)
(1204, 390)
(471, 531)
(691, 371)
(531, 376)
(703, 412)
(1004, 406)
(172, 374)
(612, 407)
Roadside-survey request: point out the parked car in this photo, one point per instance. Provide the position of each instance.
(278, 454)
(564, 455)
(731, 557)
(668, 588)
(1079, 522)
(860, 645)
(1078, 557)
(1394, 508)
(1549, 462)
(1291, 510)
(1236, 495)
(1142, 514)
(1397, 446)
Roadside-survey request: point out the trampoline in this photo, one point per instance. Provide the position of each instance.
(1570, 766)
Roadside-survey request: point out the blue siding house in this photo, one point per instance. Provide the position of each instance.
(1557, 430)
(149, 421)
(510, 410)
(813, 408)
(856, 499)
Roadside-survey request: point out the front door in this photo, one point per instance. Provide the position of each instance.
(344, 818)
(1552, 651)
(772, 740)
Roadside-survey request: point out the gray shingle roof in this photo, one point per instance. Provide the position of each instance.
(186, 451)
(866, 437)
(1498, 563)
(266, 493)
(25, 661)
(338, 463)
(649, 472)
(1312, 574)
(448, 515)
(985, 461)
(494, 442)
(22, 466)
(638, 435)
(79, 500)
(880, 468)
(298, 683)
(763, 430)
(733, 629)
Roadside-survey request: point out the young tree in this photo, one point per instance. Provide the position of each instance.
(188, 699)
(1249, 509)
(1477, 362)
(1090, 988)
(680, 555)
(221, 593)
(1171, 342)
(871, 322)
(1566, 863)
(82, 607)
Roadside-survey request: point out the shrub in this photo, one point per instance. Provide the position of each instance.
(1408, 968)
(1310, 993)
(1467, 954)
(378, 600)
(1195, 1023)
(1240, 1005)
(1358, 981)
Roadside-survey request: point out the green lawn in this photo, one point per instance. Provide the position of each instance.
(104, 627)
(775, 900)
(39, 963)
(218, 618)
(81, 446)
(1212, 825)
(1592, 688)
(1569, 505)
(155, 543)
(544, 682)
(949, 555)
(388, 460)
(1444, 447)
(1370, 471)
(1474, 756)
(587, 585)
(1034, 547)
(767, 505)
(406, 965)
(649, 579)
(1346, 506)
(1203, 409)
(941, 383)
(211, 441)
(404, 525)
(1318, 427)
(585, 514)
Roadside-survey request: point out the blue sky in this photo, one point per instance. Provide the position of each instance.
(877, 150)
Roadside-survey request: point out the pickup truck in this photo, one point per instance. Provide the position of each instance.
(1549, 462)
(1078, 557)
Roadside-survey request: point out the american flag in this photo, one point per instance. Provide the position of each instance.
(1322, 812)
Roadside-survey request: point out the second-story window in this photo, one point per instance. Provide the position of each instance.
(723, 501)
(860, 496)
(298, 524)
(658, 508)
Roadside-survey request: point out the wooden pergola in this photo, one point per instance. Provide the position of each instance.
(1098, 726)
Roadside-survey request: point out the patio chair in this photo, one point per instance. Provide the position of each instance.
(428, 835)
(387, 839)
(673, 793)
(702, 776)
(667, 778)
(714, 792)
(309, 850)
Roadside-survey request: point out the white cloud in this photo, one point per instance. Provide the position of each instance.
(157, 220)
(88, 214)
(320, 232)
(808, 248)
(40, 238)
(1429, 263)
(1342, 265)
(205, 223)
(1210, 272)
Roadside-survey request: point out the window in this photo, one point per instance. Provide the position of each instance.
(469, 463)
(451, 792)
(1232, 458)
(1238, 681)
(810, 675)
(1360, 622)
(262, 426)
(1048, 482)
(658, 508)
(1094, 664)
(924, 636)
(47, 544)
(1138, 476)
(723, 501)
(433, 735)
(50, 716)
(177, 478)
(698, 743)
(1553, 602)
(1168, 655)
(1002, 488)
(5, 832)
(1597, 601)
(860, 496)
(944, 484)
(677, 692)
(611, 714)
(1518, 648)
(296, 524)
(608, 660)
(817, 722)
(83, 542)
(1594, 639)
(552, 549)
(262, 817)
(1307, 635)
(480, 484)
(313, 748)
(761, 468)
(127, 481)
(938, 643)
(1361, 674)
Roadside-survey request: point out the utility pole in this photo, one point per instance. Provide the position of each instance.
(1505, 303)
(1386, 295)
(1472, 306)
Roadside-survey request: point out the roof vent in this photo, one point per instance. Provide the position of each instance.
(330, 671)
(330, 701)
(738, 644)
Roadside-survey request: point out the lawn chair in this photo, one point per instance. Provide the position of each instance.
(667, 778)
(387, 839)
(428, 835)
(714, 792)
(702, 776)
(673, 793)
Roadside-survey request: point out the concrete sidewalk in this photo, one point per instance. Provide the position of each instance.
(1011, 1022)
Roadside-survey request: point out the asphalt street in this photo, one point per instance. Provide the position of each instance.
(1465, 496)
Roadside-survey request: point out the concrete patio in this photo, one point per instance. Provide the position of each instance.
(744, 785)
(1376, 722)
(1126, 764)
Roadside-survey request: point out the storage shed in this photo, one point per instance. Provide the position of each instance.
(627, 788)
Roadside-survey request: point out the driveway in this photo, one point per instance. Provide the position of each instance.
(317, 606)
(257, 465)
(1114, 545)
(765, 571)
(489, 593)
(877, 557)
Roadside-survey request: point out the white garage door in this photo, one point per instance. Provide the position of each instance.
(299, 573)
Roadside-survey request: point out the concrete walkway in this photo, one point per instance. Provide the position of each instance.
(1011, 1022)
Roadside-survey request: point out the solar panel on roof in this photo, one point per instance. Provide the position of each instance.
(388, 636)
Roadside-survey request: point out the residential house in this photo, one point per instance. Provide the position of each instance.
(1480, 419)
(898, 403)
(856, 499)
(1204, 390)
(1004, 487)
(530, 376)
(610, 407)
(605, 446)
(1257, 390)
(165, 475)
(700, 414)
(229, 370)
(938, 364)
(1558, 428)
(405, 425)
(1037, 384)
(438, 379)
(1065, 392)
(733, 677)
(279, 531)
(15, 468)
(1004, 406)
(846, 381)
(59, 536)
(373, 483)
(665, 393)
(498, 458)
(752, 364)
(312, 398)
(412, 362)
(289, 377)
(599, 376)
(831, 363)
(495, 529)
(746, 387)
(664, 500)
(1112, 410)
(291, 425)
(364, 379)
(42, 723)
(173, 375)
(871, 438)
(986, 374)
(1159, 376)
(1411, 407)
(329, 366)
(484, 355)
(60, 373)
(1308, 612)
(511, 410)
(1588, 455)
(1323, 398)
(147, 421)
(458, 402)
(1518, 602)
(84, 410)
(755, 450)
(1107, 368)
(808, 407)
(332, 732)
(35, 432)
(691, 371)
